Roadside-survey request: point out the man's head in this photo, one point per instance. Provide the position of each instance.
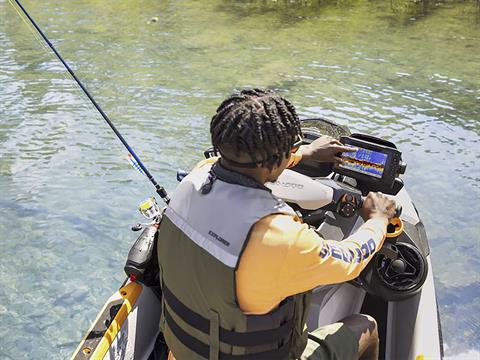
(256, 130)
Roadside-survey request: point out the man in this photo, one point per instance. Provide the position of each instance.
(236, 263)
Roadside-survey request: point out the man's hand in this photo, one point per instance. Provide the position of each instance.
(378, 205)
(324, 149)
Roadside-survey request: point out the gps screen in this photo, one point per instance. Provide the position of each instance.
(365, 161)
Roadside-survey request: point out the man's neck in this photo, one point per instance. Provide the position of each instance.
(258, 174)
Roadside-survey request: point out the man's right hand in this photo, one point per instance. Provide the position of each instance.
(325, 149)
(378, 205)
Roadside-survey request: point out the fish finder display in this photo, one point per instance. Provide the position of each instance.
(365, 161)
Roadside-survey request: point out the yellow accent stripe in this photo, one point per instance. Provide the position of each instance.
(80, 347)
(130, 293)
(420, 357)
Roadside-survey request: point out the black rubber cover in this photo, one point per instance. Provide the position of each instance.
(142, 255)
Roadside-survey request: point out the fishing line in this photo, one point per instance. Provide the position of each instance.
(49, 52)
(64, 72)
(45, 48)
(159, 189)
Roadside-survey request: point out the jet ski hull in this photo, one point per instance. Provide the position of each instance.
(127, 327)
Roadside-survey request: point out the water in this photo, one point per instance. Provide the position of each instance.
(407, 71)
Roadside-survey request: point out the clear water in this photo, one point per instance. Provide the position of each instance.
(407, 71)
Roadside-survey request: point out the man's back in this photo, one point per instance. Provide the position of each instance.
(204, 228)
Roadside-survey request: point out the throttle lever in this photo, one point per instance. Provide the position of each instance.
(398, 211)
(394, 228)
(395, 225)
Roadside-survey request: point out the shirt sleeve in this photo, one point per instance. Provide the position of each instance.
(295, 158)
(312, 261)
(286, 257)
(204, 162)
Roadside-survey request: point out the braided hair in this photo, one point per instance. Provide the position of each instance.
(258, 123)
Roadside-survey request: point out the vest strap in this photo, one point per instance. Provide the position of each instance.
(214, 337)
(242, 339)
(203, 350)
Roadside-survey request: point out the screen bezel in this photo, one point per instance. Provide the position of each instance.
(386, 176)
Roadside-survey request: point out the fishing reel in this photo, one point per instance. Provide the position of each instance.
(399, 269)
(150, 210)
(141, 260)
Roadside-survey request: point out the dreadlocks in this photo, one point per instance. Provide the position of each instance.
(258, 123)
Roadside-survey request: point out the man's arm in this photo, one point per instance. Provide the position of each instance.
(309, 260)
(312, 261)
(284, 256)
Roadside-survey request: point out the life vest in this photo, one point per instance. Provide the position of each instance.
(201, 238)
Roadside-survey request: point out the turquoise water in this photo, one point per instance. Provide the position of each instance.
(407, 71)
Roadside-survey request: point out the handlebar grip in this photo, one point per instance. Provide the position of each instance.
(398, 210)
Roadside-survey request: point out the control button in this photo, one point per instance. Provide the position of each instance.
(347, 210)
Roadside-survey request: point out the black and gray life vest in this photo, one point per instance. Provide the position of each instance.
(201, 239)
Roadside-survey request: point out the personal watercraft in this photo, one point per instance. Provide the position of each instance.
(396, 288)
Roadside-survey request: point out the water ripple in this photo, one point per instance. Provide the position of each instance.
(68, 196)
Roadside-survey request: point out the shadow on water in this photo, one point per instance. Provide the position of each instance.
(23, 210)
(290, 12)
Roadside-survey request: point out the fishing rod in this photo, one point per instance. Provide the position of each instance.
(141, 167)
